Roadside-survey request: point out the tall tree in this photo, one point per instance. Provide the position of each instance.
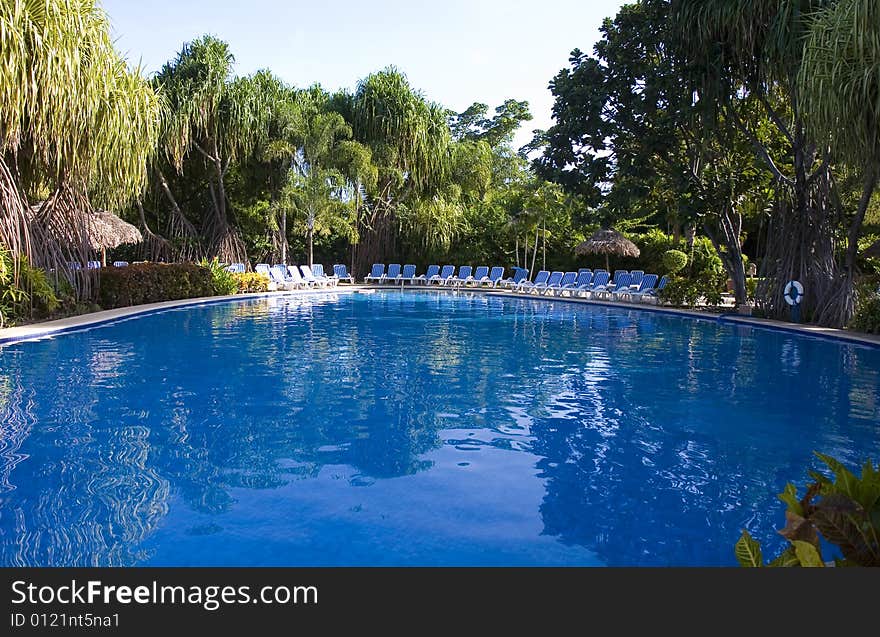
(840, 82)
(409, 140)
(220, 118)
(733, 48)
(77, 128)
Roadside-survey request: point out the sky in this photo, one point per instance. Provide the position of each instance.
(456, 52)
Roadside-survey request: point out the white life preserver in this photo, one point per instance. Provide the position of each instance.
(793, 293)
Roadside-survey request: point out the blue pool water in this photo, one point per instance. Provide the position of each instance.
(416, 429)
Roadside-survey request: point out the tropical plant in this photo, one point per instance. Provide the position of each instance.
(78, 128)
(220, 118)
(674, 261)
(867, 314)
(844, 511)
(249, 282)
(222, 280)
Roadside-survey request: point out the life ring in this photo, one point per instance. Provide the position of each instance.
(793, 293)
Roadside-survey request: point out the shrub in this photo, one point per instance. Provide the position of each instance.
(31, 294)
(751, 287)
(224, 282)
(867, 314)
(674, 261)
(251, 282)
(846, 515)
(704, 258)
(686, 291)
(652, 246)
(680, 291)
(153, 282)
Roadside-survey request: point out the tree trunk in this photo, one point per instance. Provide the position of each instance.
(544, 244)
(535, 250)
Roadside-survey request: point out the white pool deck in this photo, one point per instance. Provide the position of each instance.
(48, 328)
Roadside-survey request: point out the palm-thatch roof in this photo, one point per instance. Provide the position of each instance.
(104, 230)
(107, 231)
(608, 242)
(873, 250)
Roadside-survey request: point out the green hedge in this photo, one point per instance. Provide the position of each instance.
(153, 282)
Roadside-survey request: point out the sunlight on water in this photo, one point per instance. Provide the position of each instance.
(416, 428)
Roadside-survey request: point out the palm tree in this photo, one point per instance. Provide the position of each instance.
(410, 143)
(219, 118)
(840, 82)
(78, 128)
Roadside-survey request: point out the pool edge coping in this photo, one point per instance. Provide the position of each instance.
(94, 319)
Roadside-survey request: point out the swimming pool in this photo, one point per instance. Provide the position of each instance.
(416, 428)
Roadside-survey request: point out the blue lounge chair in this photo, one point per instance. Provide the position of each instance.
(646, 286)
(318, 273)
(653, 294)
(424, 279)
(540, 279)
(598, 285)
(481, 275)
(495, 276)
(555, 287)
(341, 272)
(582, 270)
(583, 280)
(120, 264)
(409, 274)
(447, 273)
(94, 265)
(621, 286)
(309, 277)
(618, 273)
(519, 275)
(636, 277)
(376, 274)
(294, 275)
(465, 274)
(392, 275)
(279, 276)
(262, 268)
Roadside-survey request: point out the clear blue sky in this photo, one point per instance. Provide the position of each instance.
(455, 51)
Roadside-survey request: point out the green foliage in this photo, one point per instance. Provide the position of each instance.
(249, 282)
(751, 287)
(653, 244)
(844, 511)
(680, 292)
(705, 287)
(867, 315)
(31, 294)
(154, 282)
(748, 551)
(222, 281)
(674, 261)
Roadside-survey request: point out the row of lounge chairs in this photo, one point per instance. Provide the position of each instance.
(585, 283)
(94, 265)
(631, 286)
(625, 285)
(435, 275)
(292, 277)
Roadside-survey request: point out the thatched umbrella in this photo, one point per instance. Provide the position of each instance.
(608, 242)
(104, 230)
(873, 250)
(107, 231)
